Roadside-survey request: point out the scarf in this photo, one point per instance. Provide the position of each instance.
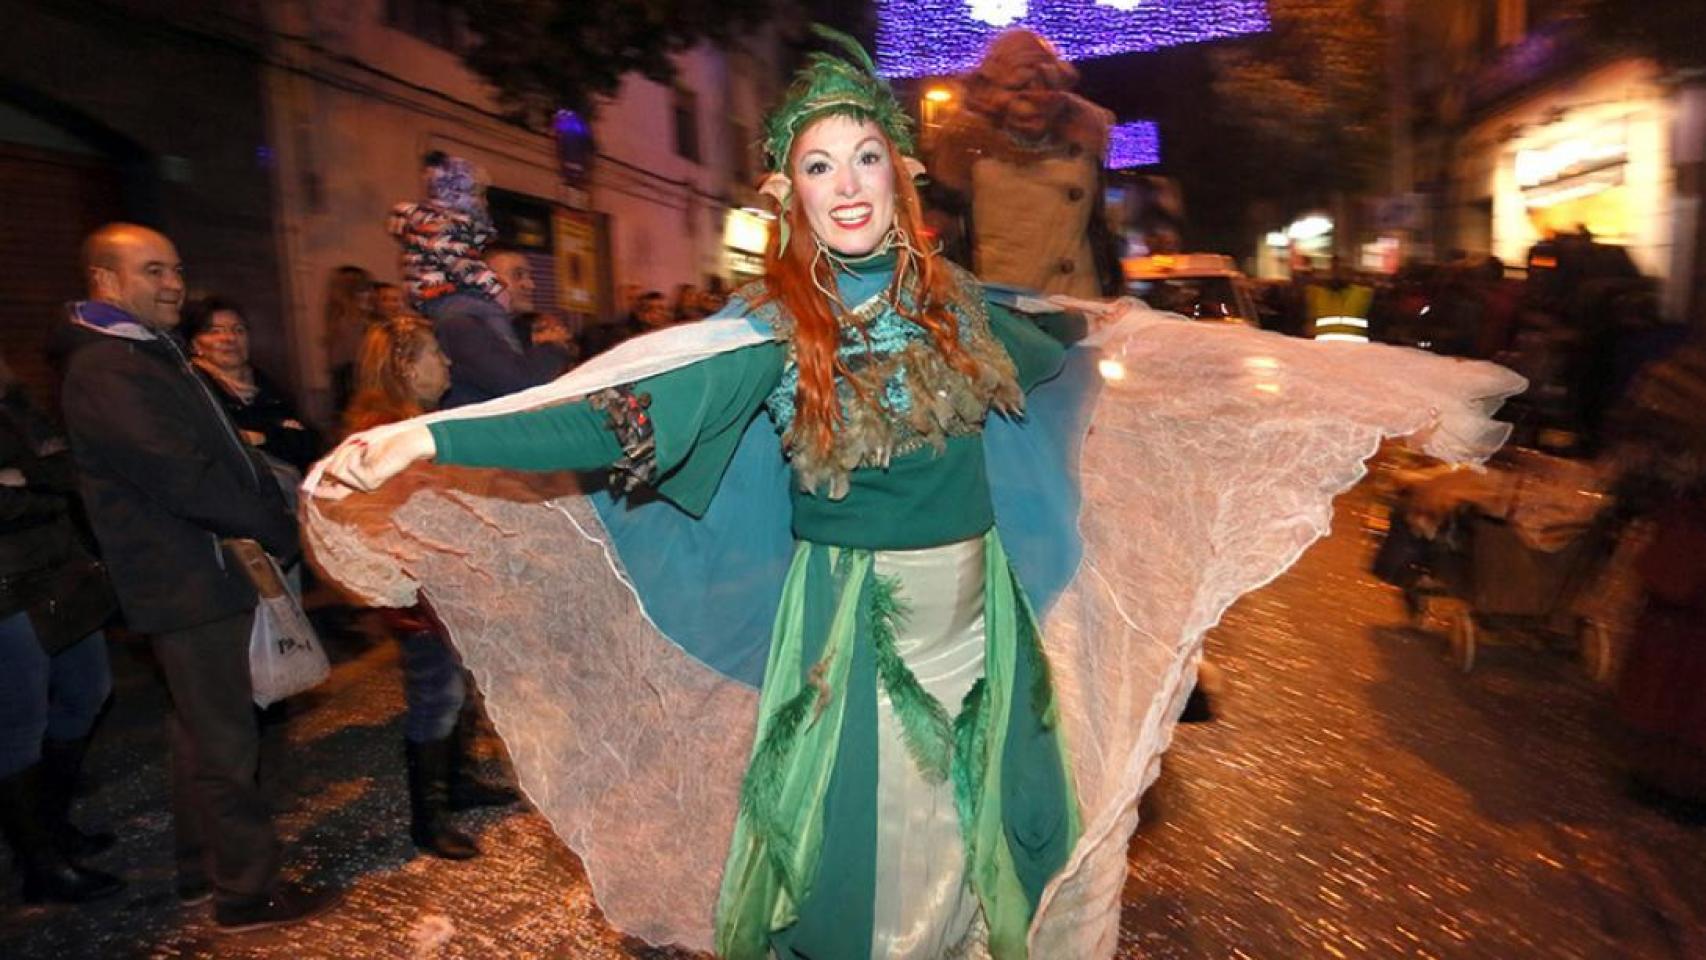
(243, 387)
(108, 319)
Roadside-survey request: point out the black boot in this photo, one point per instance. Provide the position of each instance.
(49, 876)
(61, 762)
(467, 790)
(429, 828)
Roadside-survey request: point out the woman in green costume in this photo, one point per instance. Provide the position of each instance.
(908, 794)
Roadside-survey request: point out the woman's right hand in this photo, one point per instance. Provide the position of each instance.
(367, 460)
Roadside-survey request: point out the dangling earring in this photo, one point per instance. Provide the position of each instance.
(820, 253)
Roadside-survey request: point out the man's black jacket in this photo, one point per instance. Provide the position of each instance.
(164, 478)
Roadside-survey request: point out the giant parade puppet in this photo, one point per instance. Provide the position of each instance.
(1019, 173)
(874, 631)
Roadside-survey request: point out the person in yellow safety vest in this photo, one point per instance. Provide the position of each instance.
(1339, 308)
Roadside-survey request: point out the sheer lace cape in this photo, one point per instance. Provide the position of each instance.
(1209, 465)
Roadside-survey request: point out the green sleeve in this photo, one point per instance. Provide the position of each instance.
(1036, 342)
(568, 436)
(698, 415)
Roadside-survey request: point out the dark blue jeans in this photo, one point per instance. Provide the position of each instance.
(433, 688)
(43, 696)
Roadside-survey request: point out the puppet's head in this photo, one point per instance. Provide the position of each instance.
(1022, 85)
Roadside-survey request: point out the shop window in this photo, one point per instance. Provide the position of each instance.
(435, 21)
(687, 124)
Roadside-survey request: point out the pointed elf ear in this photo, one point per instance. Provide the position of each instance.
(779, 188)
(913, 168)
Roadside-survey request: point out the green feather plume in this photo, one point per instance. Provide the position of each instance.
(830, 85)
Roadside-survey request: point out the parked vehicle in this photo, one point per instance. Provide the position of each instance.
(1201, 286)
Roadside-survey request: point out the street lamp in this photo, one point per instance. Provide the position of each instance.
(935, 106)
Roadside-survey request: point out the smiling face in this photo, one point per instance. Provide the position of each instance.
(224, 342)
(512, 268)
(138, 270)
(844, 180)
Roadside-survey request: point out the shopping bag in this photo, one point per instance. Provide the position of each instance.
(285, 655)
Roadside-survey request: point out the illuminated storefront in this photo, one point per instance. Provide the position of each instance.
(1592, 154)
(1305, 243)
(745, 231)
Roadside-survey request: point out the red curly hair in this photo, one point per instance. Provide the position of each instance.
(789, 283)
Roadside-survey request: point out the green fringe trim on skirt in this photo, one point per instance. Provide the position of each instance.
(924, 723)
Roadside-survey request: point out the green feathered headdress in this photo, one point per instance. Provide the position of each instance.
(829, 85)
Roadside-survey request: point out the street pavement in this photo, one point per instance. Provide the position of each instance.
(1357, 797)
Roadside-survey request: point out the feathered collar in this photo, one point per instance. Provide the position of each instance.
(896, 391)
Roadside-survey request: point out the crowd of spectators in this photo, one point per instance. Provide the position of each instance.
(1578, 320)
(175, 444)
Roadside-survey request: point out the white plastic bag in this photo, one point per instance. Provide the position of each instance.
(285, 656)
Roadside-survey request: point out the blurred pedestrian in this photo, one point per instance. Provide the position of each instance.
(543, 328)
(1338, 308)
(349, 310)
(487, 358)
(1459, 304)
(1501, 301)
(54, 677)
(165, 477)
(403, 373)
(651, 312)
(1660, 689)
(389, 301)
(686, 307)
(628, 299)
(714, 296)
(266, 418)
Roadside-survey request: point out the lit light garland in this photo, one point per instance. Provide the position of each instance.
(1134, 144)
(917, 38)
(997, 13)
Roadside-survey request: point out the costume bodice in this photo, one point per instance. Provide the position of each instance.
(897, 393)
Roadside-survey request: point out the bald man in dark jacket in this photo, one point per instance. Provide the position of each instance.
(165, 478)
